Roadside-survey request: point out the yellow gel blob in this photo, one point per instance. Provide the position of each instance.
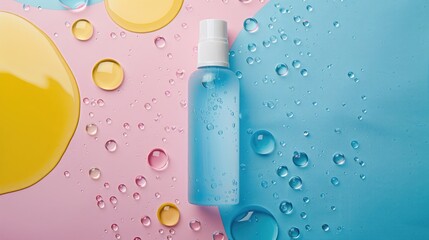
(39, 102)
(143, 15)
(82, 29)
(168, 214)
(107, 74)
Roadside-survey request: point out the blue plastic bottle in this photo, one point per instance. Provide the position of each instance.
(213, 121)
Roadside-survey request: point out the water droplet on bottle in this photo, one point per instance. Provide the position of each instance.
(94, 173)
(304, 72)
(339, 159)
(294, 233)
(335, 181)
(266, 43)
(113, 200)
(91, 129)
(160, 42)
(158, 159)
(122, 188)
(168, 214)
(286, 207)
(251, 25)
(145, 221)
(263, 142)
(306, 23)
(295, 183)
(351, 75)
(282, 171)
(82, 30)
(74, 5)
(283, 36)
(195, 225)
(297, 41)
(325, 227)
(218, 236)
(108, 74)
(296, 63)
(141, 181)
(136, 196)
(333, 208)
(300, 159)
(309, 8)
(337, 130)
(362, 176)
(306, 199)
(336, 24)
(101, 204)
(297, 19)
(303, 215)
(282, 69)
(251, 47)
(250, 60)
(111, 146)
(254, 225)
(355, 144)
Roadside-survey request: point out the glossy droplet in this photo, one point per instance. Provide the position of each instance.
(101, 204)
(282, 69)
(251, 25)
(122, 188)
(218, 236)
(254, 225)
(141, 126)
(142, 16)
(108, 74)
(304, 72)
(309, 8)
(297, 19)
(82, 29)
(351, 75)
(67, 174)
(306, 199)
(303, 215)
(113, 200)
(300, 159)
(98, 198)
(286, 207)
(294, 233)
(296, 63)
(339, 159)
(74, 5)
(325, 227)
(160, 42)
(180, 73)
(145, 221)
(295, 183)
(168, 214)
(91, 129)
(114, 227)
(195, 225)
(136, 196)
(94, 173)
(111, 145)
(263, 142)
(335, 181)
(251, 47)
(297, 41)
(141, 181)
(336, 24)
(355, 144)
(282, 171)
(158, 159)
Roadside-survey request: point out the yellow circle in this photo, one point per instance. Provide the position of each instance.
(107, 74)
(143, 15)
(168, 214)
(82, 29)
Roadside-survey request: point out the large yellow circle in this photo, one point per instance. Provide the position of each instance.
(142, 15)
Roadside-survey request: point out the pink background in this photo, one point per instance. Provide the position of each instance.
(65, 208)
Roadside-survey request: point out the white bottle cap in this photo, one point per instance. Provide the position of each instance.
(213, 47)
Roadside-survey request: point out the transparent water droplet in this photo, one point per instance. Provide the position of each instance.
(126, 126)
(351, 75)
(266, 43)
(294, 233)
(295, 183)
(218, 236)
(158, 159)
(141, 126)
(101, 204)
(303, 215)
(180, 73)
(106, 185)
(362, 176)
(160, 42)
(304, 72)
(282, 171)
(297, 19)
(111, 145)
(250, 60)
(195, 225)
(333, 208)
(91, 129)
(141, 181)
(286, 207)
(157, 195)
(296, 63)
(284, 36)
(114, 227)
(335, 181)
(251, 25)
(306, 23)
(263, 142)
(136, 196)
(336, 24)
(98, 198)
(300, 159)
(309, 8)
(74, 5)
(26, 7)
(339, 159)
(168, 214)
(67, 174)
(282, 69)
(147, 106)
(122, 188)
(306, 199)
(325, 227)
(94, 173)
(354, 144)
(113, 200)
(146, 221)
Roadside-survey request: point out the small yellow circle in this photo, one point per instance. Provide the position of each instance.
(82, 29)
(168, 214)
(108, 74)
